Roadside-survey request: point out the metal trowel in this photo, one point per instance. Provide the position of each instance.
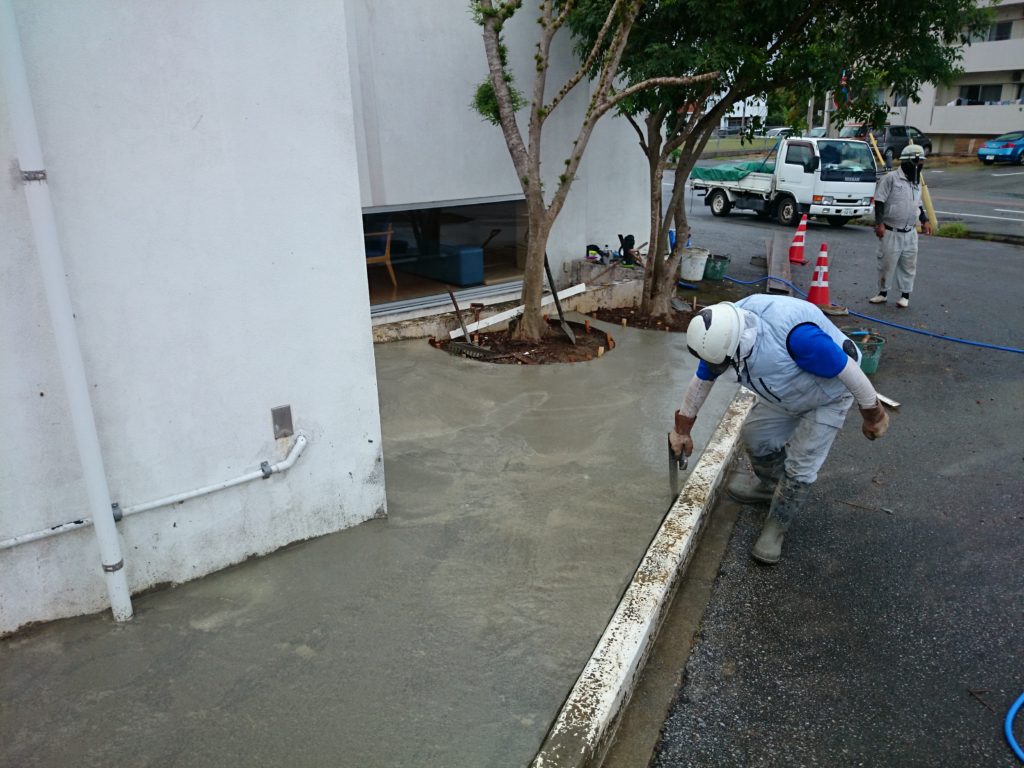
(676, 462)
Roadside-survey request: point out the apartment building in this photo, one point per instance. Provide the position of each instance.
(985, 100)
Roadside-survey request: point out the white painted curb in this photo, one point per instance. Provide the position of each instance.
(580, 734)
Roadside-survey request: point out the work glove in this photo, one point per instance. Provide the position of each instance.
(679, 438)
(876, 421)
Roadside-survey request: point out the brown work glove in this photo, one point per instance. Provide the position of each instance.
(876, 421)
(679, 438)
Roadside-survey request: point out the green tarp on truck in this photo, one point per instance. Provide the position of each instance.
(732, 171)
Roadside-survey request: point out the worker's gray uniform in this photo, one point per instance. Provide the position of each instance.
(897, 251)
(795, 409)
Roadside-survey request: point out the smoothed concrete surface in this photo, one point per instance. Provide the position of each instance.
(521, 499)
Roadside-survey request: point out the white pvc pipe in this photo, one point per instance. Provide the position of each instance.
(44, 230)
(266, 470)
(297, 448)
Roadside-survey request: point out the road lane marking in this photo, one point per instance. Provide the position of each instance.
(1015, 173)
(978, 216)
(1007, 210)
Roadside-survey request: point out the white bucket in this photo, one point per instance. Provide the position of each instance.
(691, 266)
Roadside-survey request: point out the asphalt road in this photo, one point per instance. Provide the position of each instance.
(988, 200)
(892, 634)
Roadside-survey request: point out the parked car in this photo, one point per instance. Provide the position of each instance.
(1008, 148)
(778, 133)
(729, 130)
(817, 133)
(891, 139)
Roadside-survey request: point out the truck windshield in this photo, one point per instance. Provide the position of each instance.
(846, 161)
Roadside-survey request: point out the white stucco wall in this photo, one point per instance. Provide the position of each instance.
(420, 141)
(202, 164)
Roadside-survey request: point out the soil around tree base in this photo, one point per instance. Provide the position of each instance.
(554, 347)
(632, 317)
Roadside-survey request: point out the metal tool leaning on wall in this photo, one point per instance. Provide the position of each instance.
(806, 374)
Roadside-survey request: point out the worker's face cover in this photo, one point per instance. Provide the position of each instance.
(912, 169)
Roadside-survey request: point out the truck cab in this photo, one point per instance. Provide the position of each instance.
(829, 178)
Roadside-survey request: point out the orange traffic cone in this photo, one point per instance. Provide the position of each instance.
(796, 249)
(818, 294)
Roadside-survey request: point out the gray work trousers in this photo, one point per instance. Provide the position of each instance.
(807, 437)
(897, 261)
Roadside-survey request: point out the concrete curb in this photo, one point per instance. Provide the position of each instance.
(586, 723)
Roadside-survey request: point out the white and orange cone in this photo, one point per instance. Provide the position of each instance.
(796, 248)
(818, 295)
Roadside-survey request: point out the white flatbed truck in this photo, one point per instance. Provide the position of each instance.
(832, 179)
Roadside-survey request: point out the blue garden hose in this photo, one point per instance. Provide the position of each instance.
(1008, 727)
(885, 322)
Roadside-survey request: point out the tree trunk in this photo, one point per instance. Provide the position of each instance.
(655, 251)
(664, 290)
(531, 324)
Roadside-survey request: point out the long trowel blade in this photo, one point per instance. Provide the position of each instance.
(675, 463)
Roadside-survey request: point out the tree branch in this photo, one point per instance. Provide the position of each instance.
(653, 82)
(586, 66)
(496, 69)
(639, 131)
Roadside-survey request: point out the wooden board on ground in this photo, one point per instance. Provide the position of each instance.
(777, 253)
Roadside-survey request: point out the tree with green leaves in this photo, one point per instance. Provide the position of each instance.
(757, 46)
(498, 100)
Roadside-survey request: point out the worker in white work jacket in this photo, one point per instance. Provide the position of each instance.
(806, 375)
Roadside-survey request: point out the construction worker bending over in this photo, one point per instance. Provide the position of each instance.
(806, 375)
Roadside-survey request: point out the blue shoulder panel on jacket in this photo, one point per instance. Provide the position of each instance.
(815, 351)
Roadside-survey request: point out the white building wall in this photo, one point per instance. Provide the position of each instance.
(202, 163)
(418, 66)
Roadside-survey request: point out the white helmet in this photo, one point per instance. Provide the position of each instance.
(714, 333)
(912, 152)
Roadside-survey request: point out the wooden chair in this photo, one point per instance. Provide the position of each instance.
(376, 253)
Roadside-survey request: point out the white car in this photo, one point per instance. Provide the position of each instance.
(778, 133)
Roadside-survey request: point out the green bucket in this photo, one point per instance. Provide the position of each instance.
(715, 267)
(870, 346)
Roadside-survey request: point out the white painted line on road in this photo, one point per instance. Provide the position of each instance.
(978, 216)
(1007, 210)
(1015, 173)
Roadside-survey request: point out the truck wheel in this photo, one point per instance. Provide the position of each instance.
(720, 205)
(838, 221)
(787, 212)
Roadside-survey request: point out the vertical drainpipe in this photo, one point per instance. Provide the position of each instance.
(44, 230)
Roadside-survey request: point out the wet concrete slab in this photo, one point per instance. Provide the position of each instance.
(521, 499)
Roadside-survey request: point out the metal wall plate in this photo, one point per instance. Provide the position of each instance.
(282, 418)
